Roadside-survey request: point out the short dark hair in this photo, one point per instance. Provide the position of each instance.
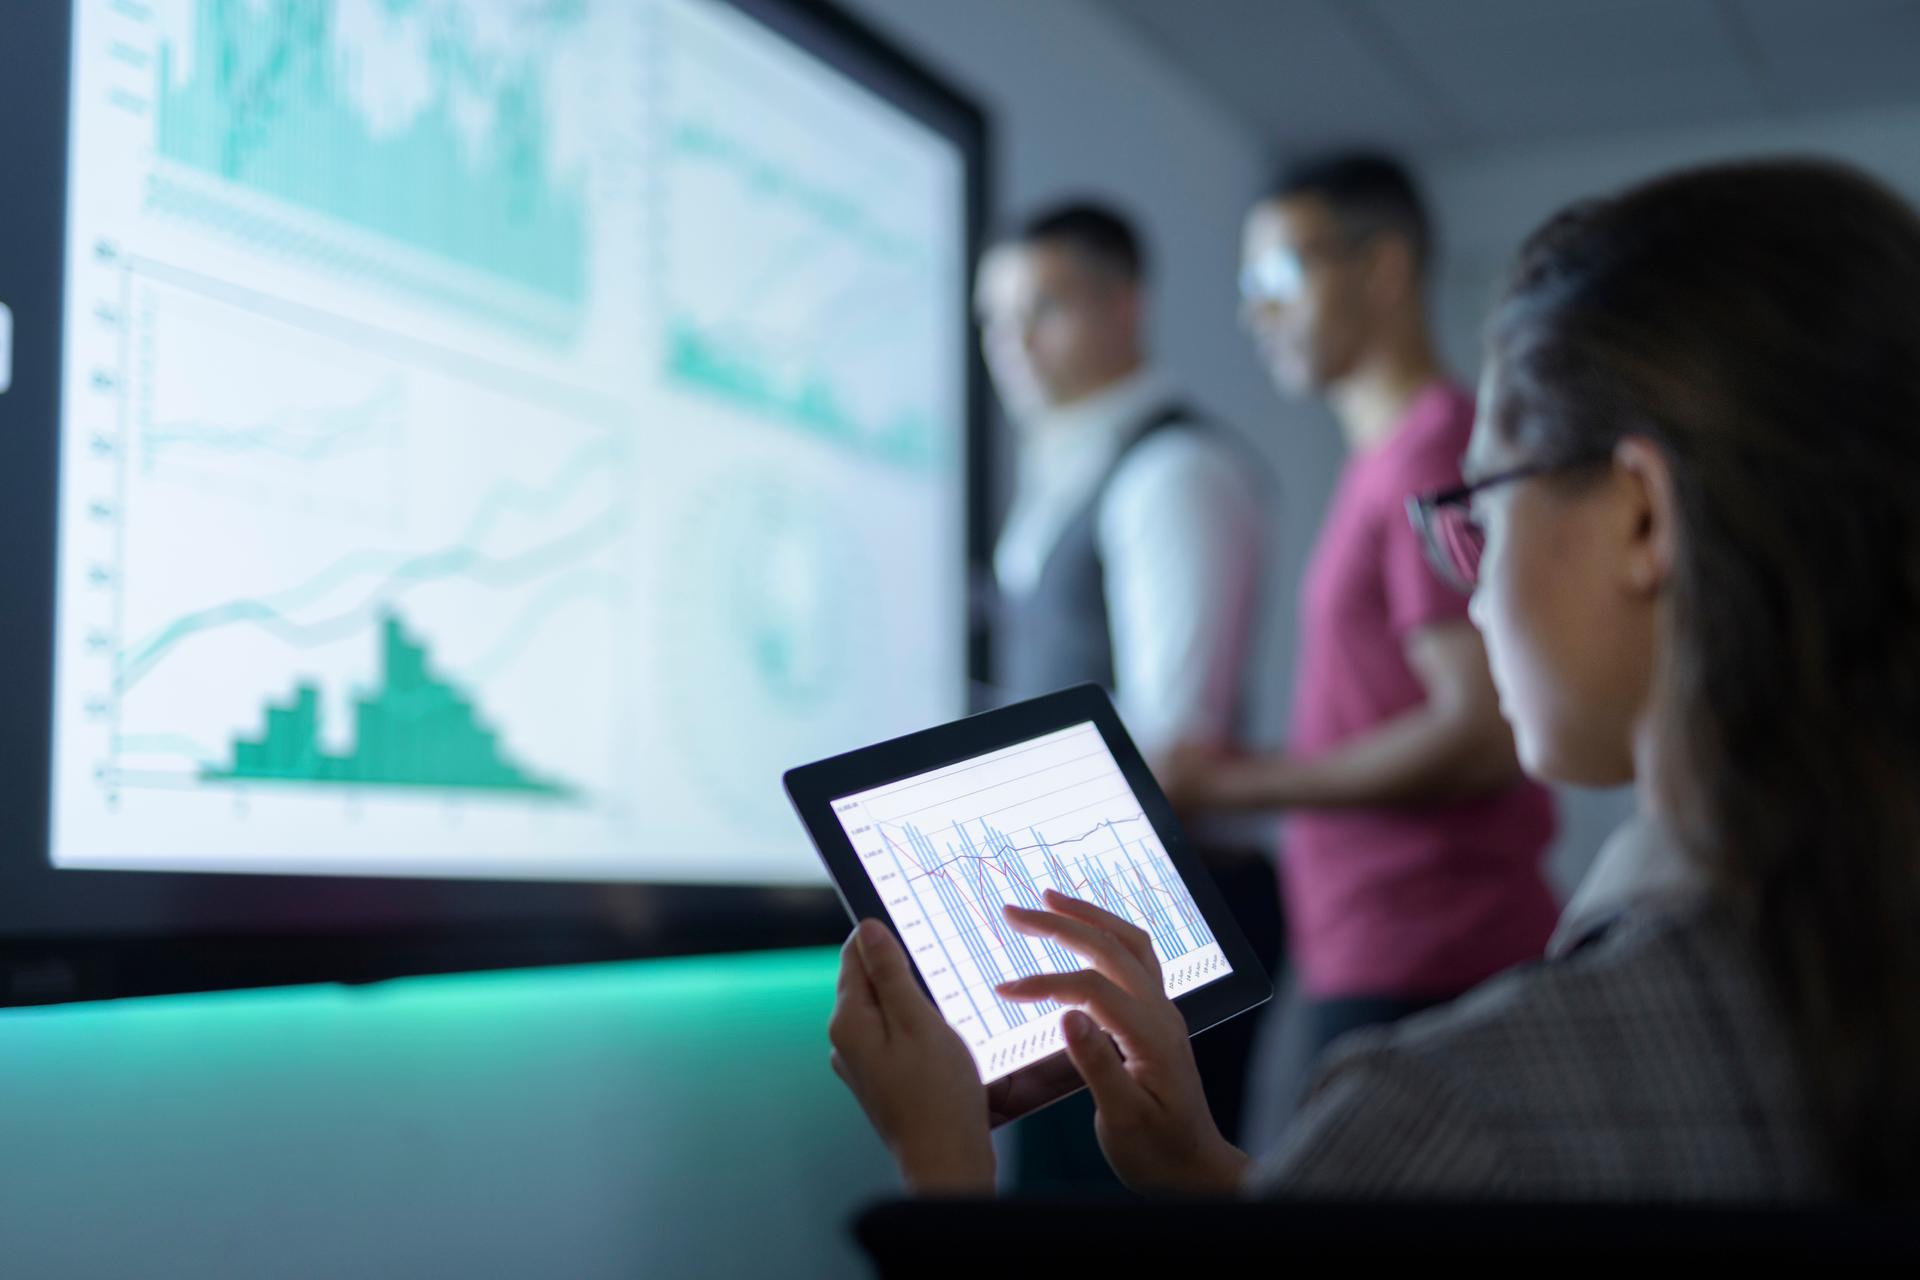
(1098, 231)
(1368, 191)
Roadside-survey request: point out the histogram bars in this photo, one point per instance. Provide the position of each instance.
(950, 849)
(264, 102)
(415, 730)
(979, 875)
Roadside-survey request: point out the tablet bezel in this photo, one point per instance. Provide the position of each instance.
(813, 789)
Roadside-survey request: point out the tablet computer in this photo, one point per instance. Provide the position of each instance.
(934, 832)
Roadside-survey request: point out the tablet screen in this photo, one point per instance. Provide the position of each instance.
(948, 847)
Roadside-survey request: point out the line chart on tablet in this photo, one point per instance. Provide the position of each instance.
(949, 848)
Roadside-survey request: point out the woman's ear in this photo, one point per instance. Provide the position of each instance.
(1649, 511)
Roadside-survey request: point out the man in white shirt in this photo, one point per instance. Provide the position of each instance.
(1113, 468)
(1131, 556)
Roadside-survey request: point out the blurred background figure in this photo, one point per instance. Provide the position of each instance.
(1131, 553)
(1131, 557)
(1413, 849)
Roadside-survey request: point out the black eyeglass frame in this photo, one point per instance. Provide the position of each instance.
(1423, 510)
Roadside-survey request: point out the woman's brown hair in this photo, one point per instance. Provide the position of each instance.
(1760, 324)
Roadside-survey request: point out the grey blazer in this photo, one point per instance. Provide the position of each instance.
(1643, 1064)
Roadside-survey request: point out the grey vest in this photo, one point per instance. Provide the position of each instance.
(1057, 634)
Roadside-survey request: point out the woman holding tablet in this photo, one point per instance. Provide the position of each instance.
(1692, 532)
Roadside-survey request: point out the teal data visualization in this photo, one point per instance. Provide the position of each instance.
(498, 437)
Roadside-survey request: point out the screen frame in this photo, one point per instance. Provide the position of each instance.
(92, 934)
(813, 790)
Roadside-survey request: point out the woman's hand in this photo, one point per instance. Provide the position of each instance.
(1151, 1113)
(912, 1073)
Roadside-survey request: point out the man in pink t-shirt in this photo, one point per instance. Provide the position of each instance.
(1413, 849)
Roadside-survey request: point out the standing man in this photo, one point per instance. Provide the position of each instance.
(1131, 557)
(1413, 851)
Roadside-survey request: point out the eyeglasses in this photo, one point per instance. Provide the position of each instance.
(1451, 537)
(1274, 276)
(1280, 274)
